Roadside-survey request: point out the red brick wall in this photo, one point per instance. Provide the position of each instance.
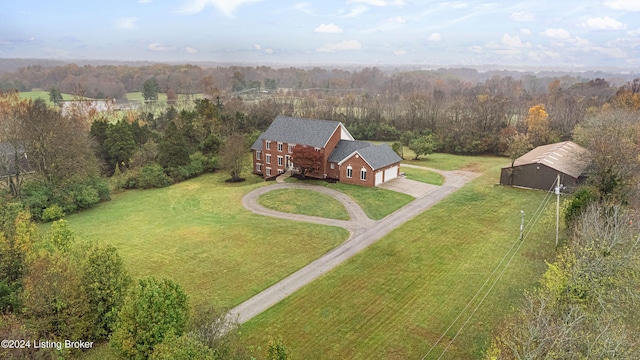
(357, 163)
(331, 145)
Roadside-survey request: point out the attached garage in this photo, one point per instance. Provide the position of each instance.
(391, 173)
(379, 178)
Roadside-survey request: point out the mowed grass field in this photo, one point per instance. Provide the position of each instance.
(41, 94)
(198, 234)
(421, 175)
(375, 202)
(305, 202)
(397, 297)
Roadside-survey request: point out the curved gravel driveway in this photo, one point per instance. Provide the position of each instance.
(363, 232)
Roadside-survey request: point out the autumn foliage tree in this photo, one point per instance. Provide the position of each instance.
(538, 126)
(306, 158)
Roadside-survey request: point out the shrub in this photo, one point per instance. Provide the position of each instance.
(152, 176)
(53, 212)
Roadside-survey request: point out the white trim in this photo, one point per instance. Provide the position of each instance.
(363, 171)
(267, 158)
(258, 154)
(259, 167)
(280, 146)
(356, 153)
(343, 130)
(290, 148)
(349, 172)
(268, 173)
(267, 144)
(280, 161)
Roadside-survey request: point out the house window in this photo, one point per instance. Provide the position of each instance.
(268, 158)
(267, 145)
(349, 172)
(258, 167)
(279, 160)
(317, 149)
(280, 147)
(291, 146)
(332, 166)
(363, 174)
(280, 171)
(258, 154)
(268, 171)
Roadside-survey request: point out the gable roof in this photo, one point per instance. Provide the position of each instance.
(301, 131)
(566, 157)
(346, 148)
(257, 145)
(376, 156)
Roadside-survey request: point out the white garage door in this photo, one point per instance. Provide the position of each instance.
(378, 178)
(391, 173)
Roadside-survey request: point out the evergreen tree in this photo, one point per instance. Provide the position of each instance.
(173, 148)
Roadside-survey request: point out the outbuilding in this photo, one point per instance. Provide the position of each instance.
(539, 168)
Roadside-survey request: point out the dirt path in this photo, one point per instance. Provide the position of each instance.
(364, 232)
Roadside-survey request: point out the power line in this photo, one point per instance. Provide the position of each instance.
(536, 215)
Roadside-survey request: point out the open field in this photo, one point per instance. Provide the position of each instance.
(376, 203)
(396, 298)
(197, 233)
(44, 95)
(421, 175)
(299, 201)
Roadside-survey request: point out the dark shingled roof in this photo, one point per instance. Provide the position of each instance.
(292, 130)
(379, 156)
(257, 145)
(346, 148)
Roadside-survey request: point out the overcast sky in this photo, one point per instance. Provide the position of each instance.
(367, 32)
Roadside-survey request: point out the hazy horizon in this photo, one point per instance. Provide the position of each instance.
(501, 34)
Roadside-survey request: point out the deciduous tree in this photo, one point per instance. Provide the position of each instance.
(306, 158)
(233, 155)
(422, 145)
(152, 310)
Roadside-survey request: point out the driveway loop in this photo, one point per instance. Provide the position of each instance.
(363, 232)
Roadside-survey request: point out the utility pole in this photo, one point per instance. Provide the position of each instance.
(521, 223)
(557, 207)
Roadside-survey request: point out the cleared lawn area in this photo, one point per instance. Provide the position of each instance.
(44, 95)
(305, 202)
(376, 203)
(395, 299)
(424, 176)
(197, 233)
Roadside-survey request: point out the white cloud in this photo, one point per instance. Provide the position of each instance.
(624, 5)
(613, 52)
(513, 42)
(145, 1)
(560, 34)
(604, 23)
(523, 16)
(357, 11)
(435, 37)
(397, 20)
(191, 50)
(268, 50)
(257, 46)
(227, 7)
(330, 28)
(341, 46)
(159, 47)
(400, 52)
(525, 31)
(635, 32)
(378, 2)
(128, 23)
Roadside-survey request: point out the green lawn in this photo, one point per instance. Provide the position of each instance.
(375, 202)
(305, 202)
(44, 95)
(424, 176)
(197, 233)
(394, 299)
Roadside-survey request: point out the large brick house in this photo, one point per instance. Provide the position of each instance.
(342, 157)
